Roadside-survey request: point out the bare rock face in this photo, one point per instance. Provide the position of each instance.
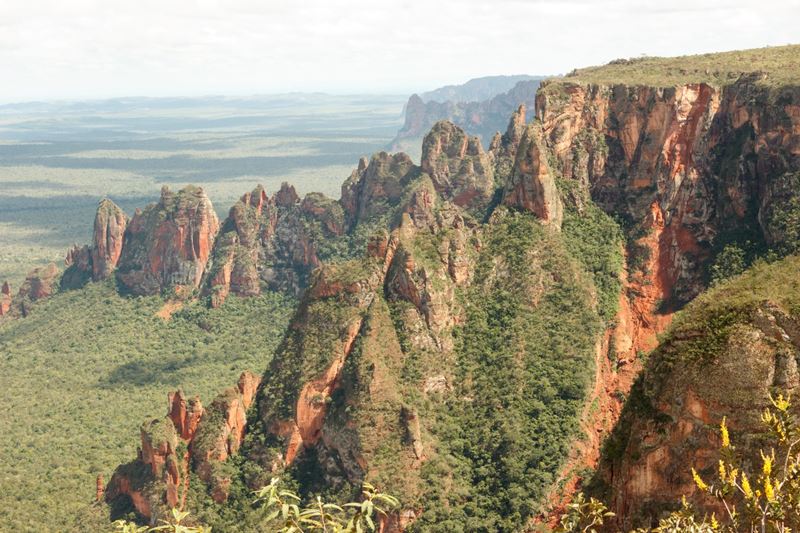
(460, 169)
(516, 129)
(532, 186)
(712, 159)
(185, 415)
(109, 232)
(189, 437)
(271, 242)
(690, 383)
(80, 257)
(221, 432)
(168, 244)
(78, 263)
(375, 186)
(98, 260)
(286, 196)
(40, 283)
(5, 298)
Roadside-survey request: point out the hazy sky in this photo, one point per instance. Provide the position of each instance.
(99, 48)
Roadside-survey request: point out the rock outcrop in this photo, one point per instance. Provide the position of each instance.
(375, 186)
(532, 185)
(40, 283)
(458, 166)
(168, 244)
(221, 432)
(109, 232)
(5, 299)
(271, 242)
(98, 260)
(729, 350)
(190, 438)
(712, 159)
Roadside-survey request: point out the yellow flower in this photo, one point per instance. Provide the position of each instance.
(698, 481)
(780, 403)
(767, 459)
(769, 492)
(722, 473)
(746, 488)
(726, 441)
(714, 523)
(732, 475)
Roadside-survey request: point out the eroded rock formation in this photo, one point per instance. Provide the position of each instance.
(271, 242)
(109, 232)
(458, 166)
(5, 298)
(189, 438)
(40, 283)
(168, 244)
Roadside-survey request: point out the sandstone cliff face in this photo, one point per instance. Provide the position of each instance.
(98, 260)
(40, 283)
(168, 243)
(532, 185)
(109, 231)
(271, 242)
(703, 155)
(458, 166)
(189, 438)
(220, 434)
(727, 352)
(375, 186)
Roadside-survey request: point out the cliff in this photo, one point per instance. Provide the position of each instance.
(98, 260)
(167, 244)
(273, 242)
(723, 357)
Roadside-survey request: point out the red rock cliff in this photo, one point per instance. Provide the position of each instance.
(168, 243)
(109, 231)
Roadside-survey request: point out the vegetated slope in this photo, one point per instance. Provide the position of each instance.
(723, 356)
(776, 65)
(85, 367)
(482, 117)
(398, 360)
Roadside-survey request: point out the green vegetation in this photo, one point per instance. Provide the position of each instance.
(775, 66)
(503, 432)
(87, 367)
(596, 240)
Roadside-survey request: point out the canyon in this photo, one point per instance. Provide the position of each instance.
(471, 331)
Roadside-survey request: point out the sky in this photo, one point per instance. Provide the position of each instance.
(76, 49)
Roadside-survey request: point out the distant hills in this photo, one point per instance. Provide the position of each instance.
(481, 107)
(476, 89)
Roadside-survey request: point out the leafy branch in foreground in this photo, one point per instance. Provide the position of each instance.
(767, 501)
(321, 516)
(170, 526)
(286, 515)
